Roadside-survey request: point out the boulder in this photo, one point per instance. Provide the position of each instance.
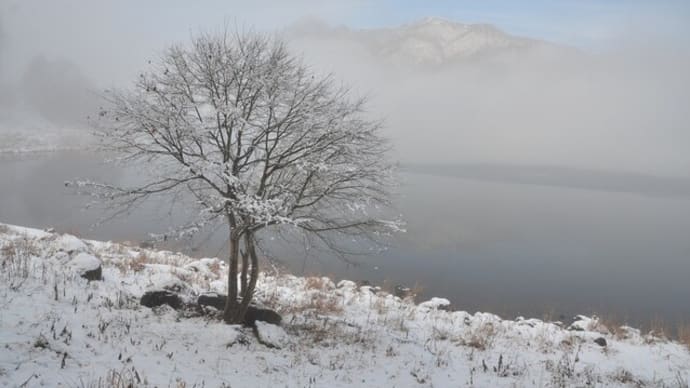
(254, 313)
(212, 299)
(601, 341)
(70, 244)
(257, 314)
(161, 297)
(87, 266)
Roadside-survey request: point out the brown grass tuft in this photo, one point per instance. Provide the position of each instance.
(480, 337)
(314, 283)
(683, 332)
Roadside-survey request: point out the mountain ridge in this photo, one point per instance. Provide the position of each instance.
(429, 41)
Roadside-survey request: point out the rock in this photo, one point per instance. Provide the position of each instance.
(347, 284)
(257, 314)
(628, 332)
(87, 266)
(402, 292)
(158, 298)
(371, 289)
(271, 335)
(212, 299)
(436, 304)
(584, 323)
(363, 283)
(581, 323)
(254, 313)
(601, 341)
(96, 274)
(70, 244)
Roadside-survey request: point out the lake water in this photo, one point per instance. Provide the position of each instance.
(513, 249)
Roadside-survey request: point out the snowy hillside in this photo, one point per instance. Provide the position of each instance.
(58, 329)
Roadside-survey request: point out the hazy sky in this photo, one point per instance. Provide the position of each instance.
(97, 34)
(623, 105)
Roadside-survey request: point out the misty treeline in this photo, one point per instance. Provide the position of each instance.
(262, 144)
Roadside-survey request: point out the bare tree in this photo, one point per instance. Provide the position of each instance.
(261, 143)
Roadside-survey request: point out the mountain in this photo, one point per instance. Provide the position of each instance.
(431, 41)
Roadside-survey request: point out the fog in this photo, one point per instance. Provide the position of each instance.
(622, 107)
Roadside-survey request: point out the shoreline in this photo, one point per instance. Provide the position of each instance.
(336, 334)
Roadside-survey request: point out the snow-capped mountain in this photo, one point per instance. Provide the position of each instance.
(432, 41)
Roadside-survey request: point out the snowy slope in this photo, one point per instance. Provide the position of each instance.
(57, 329)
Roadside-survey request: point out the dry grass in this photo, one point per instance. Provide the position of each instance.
(316, 283)
(135, 264)
(683, 334)
(480, 337)
(15, 258)
(114, 379)
(4, 229)
(614, 325)
(659, 329)
(215, 268)
(325, 304)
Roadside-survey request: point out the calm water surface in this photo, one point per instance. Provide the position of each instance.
(513, 249)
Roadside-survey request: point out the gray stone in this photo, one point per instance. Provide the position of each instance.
(601, 341)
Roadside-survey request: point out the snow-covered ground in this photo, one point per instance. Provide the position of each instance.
(58, 329)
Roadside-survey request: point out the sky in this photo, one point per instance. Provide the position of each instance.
(624, 108)
(98, 34)
(49, 26)
(582, 23)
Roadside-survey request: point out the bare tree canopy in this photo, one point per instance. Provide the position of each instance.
(260, 141)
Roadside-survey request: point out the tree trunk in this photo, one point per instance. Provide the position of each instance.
(248, 292)
(245, 268)
(232, 308)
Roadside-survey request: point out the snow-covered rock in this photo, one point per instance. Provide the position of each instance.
(271, 335)
(347, 284)
(435, 303)
(585, 323)
(70, 244)
(87, 266)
